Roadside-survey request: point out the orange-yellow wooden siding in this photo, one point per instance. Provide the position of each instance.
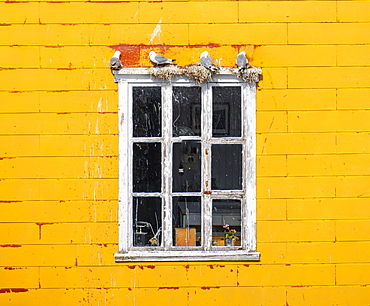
(59, 147)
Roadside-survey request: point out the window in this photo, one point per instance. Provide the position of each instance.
(186, 168)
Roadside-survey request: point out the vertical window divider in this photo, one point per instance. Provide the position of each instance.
(167, 166)
(124, 197)
(249, 110)
(206, 166)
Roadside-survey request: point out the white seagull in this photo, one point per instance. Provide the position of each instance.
(114, 62)
(242, 61)
(159, 59)
(206, 61)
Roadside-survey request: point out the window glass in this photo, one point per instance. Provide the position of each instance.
(227, 167)
(226, 222)
(186, 107)
(226, 104)
(147, 221)
(186, 221)
(147, 167)
(147, 111)
(186, 166)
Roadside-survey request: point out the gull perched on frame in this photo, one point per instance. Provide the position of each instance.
(242, 61)
(159, 59)
(206, 61)
(115, 62)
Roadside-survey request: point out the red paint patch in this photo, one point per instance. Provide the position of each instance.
(10, 246)
(130, 54)
(16, 290)
(63, 113)
(209, 288)
(5, 24)
(131, 267)
(150, 266)
(174, 288)
(54, 46)
(288, 265)
(129, 289)
(41, 224)
(246, 266)
(11, 268)
(1, 158)
(58, 91)
(211, 266)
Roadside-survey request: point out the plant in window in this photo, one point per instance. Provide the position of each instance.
(229, 235)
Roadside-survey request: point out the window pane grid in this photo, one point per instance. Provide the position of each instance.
(168, 141)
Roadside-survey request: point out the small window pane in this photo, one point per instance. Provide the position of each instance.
(146, 111)
(147, 221)
(227, 167)
(186, 166)
(226, 222)
(186, 111)
(186, 221)
(226, 121)
(147, 167)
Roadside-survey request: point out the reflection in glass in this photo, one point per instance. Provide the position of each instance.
(186, 111)
(226, 222)
(186, 221)
(226, 117)
(147, 167)
(227, 167)
(186, 166)
(147, 221)
(146, 111)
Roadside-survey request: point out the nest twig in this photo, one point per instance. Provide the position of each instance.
(249, 74)
(202, 75)
(165, 72)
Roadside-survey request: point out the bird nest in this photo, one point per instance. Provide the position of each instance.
(197, 73)
(247, 74)
(202, 75)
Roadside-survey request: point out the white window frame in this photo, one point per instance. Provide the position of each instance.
(128, 77)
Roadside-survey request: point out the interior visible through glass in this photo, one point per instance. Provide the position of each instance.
(186, 221)
(186, 105)
(226, 116)
(147, 221)
(186, 173)
(226, 222)
(147, 111)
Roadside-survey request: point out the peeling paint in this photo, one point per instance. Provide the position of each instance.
(156, 33)
(15, 290)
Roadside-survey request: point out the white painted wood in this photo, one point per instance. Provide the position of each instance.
(128, 77)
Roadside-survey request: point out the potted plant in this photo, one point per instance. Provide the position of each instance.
(229, 235)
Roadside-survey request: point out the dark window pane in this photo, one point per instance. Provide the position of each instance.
(226, 120)
(147, 221)
(226, 222)
(186, 166)
(227, 167)
(147, 167)
(186, 111)
(186, 221)
(146, 111)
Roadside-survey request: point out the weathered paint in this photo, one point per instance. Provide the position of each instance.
(312, 150)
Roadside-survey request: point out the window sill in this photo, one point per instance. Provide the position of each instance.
(229, 255)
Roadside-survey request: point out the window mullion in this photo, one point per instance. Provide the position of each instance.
(167, 166)
(206, 166)
(249, 208)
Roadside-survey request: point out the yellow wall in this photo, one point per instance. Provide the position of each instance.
(58, 150)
